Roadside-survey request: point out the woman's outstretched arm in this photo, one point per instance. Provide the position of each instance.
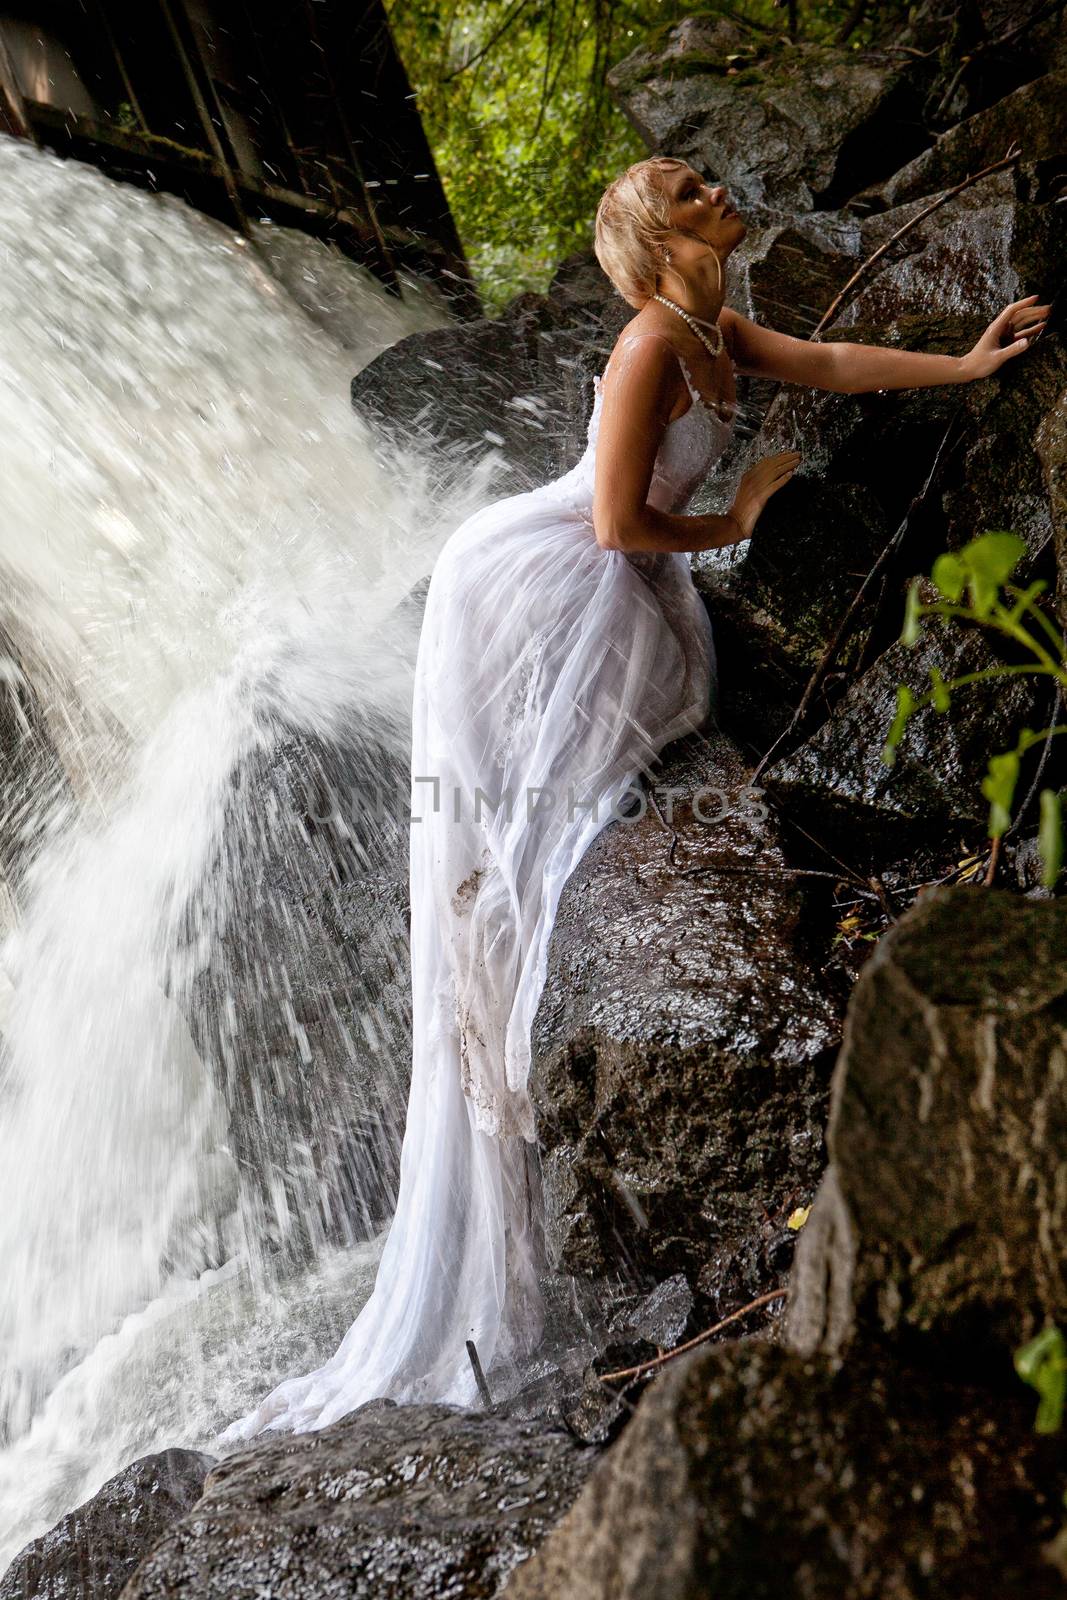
(640, 391)
(847, 368)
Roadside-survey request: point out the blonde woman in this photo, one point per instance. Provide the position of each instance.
(563, 645)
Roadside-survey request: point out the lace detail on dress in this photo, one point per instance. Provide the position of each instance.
(514, 708)
(477, 1000)
(690, 446)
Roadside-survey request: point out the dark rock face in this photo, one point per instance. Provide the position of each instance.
(32, 781)
(777, 601)
(683, 1045)
(1050, 445)
(89, 1554)
(304, 1010)
(941, 1216)
(838, 779)
(753, 1473)
(391, 1503)
(788, 127)
(520, 385)
(1035, 114)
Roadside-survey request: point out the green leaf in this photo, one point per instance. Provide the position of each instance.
(990, 561)
(999, 789)
(1050, 837)
(905, 707)
(994, 555)
(950, 575)
(942, 698)
(911, 631)
(1041, 1363)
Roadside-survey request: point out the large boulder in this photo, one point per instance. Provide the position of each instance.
(683, 1044)
(1034, 116)
(517, 387)
(91, 1552)
(778, 600)
(753, 1473)
(837, 783)
(784, 125)
(303, 1013)
(939, 1222)
(390, 1503)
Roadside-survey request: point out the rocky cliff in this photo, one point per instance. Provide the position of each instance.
(822, 1006)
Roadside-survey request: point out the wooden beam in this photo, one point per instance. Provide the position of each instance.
(205, 119)
(102, 18)
(12, 106)
(388, 265)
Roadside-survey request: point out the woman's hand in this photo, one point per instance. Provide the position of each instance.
(758, 484)
(1019, 324)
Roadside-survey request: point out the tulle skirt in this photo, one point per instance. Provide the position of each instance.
(550, 673)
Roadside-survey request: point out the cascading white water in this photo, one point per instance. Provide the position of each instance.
(199, 550)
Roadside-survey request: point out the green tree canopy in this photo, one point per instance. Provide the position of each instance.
(525, 133)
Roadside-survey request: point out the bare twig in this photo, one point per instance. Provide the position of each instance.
(1014, 154)
(992, 867)
(1053, 714)
(506, 22)
(479, 1375)
(701, 1338)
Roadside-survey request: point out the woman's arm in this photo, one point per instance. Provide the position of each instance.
(845, 368)
(639, 396)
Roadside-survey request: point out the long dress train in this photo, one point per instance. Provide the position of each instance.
(550, 672)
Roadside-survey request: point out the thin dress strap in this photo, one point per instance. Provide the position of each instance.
(649, 334)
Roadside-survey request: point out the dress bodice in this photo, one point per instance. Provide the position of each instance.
(690, 446)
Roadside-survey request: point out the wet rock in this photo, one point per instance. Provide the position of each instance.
(979, 250)
(777, 600)
(683, 1046)
(303, 1010)
(783, 125)
(518, 385)
(837, 783)
(91, 1552)
(751, 1473)
(661, 1317)
(1035, 116)
(939, 1222)
(390, 1503)
(33, 784)
(1050, 444)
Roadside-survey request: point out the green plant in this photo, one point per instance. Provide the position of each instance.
(1042, 1363)
(524, 126)
(982, 569)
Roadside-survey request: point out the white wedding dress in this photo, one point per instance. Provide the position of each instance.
(554, 671)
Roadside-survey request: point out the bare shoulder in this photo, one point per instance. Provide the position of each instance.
(644, 365)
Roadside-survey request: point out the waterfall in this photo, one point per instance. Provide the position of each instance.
(204, 557)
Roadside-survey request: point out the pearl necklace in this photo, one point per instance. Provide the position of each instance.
(712, 349)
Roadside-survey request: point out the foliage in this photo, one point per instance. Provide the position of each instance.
(982, 569)
(1043, 1364)
(525, 134)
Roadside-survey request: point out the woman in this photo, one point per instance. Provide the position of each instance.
(563, 646)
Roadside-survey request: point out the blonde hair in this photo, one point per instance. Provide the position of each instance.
(632, 222)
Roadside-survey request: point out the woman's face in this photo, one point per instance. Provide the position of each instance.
(701, 208)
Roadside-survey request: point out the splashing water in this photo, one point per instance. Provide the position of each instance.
(202, 558)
